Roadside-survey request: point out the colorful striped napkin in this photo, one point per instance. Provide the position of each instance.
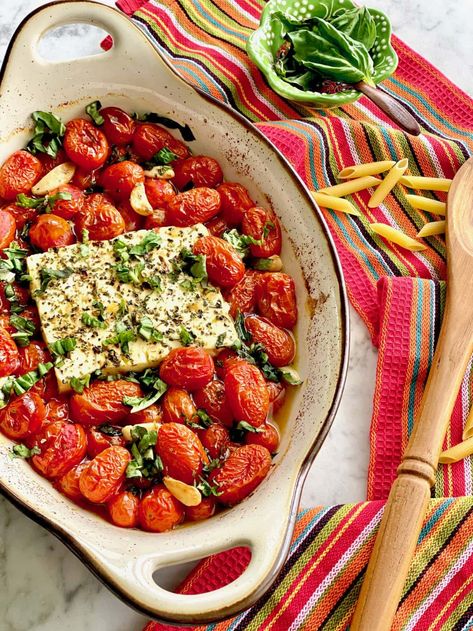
(396, 292)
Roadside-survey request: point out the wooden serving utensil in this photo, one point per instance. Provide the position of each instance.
(407, 503)
(390, 106)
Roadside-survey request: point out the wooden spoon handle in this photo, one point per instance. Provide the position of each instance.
(407, 502)
(390, 106)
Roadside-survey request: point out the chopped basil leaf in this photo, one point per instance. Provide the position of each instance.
(157, 388)
(20, 385)
(220, 340)
(290, 375)
(48, 275)
(48, 132)
(22, 451)
(42, 204)
(187, 337)
(109, 430)
(123, 337)
(24, 201)
(78, 384)
(241, 242)
(213, 463)
(13, 265)
(240, 327)
(25, 329)
(10, 295)
(194, 264)
(162, 158)
(90, 320)
(204, 418)
(147, 331)
(246, 427)
(151, 241)
(152, 117)
(92, 109)
(207, 489)
(132, 274)
(63, 347)
(145, 462)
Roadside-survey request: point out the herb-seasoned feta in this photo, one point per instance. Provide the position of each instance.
(127, 302)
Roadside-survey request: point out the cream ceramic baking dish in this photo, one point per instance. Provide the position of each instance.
(132, 75)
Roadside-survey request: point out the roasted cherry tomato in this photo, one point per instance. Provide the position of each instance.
(242, 297)
(18, 174)
(195, 206)
(278, 344)
(159, 510)
(266, 436)
(277, 394)
(247, 394)
(215, 439)
(102, 402)
(69, 482)
(200, 170)
(57, 410)
(224, 359)
(21, 215)
(85, 145)
(276, 299)
(156, 219)
(213, 400)
(178, 407)
(120, 179)
(102, 476)
(235, 202)
(68, 208)
(32, 355)
(159, 192)
(23, 416)
(181, 452)
(51, 231)
(118, 126)
(7, 228)
(133, 221)
(204, 510)
(217, 226)
(151, 414)
(224, 267)
(85, 179)
(9, 356)
(263, 225)
(49, 163)
(190, 368)
(241, 473)
(149, 138)
(97, 441)
(123, 509)
(62, 446)
(100, 217)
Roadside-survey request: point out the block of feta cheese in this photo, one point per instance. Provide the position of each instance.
(127, 302)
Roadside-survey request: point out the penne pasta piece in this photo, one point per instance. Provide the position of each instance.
(351, 186)
(468, 429)
(389, 182)
(427, 204)
(335, 203)
(360, 170)
(398, 237)
(426, 183)
(432, 228)
(458, 452)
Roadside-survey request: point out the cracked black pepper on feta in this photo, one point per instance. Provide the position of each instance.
(127, 302)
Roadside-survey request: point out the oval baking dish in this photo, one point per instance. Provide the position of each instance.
(132, 75)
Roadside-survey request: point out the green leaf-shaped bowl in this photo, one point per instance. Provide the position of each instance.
(263, 44)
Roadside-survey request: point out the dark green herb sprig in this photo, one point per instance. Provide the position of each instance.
(47, 134)
(152, 117)
(150, 382)
(109, 430)
(145, 463)
(201, 420)
(92, 109)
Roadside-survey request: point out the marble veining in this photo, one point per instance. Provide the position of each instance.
(43, 587)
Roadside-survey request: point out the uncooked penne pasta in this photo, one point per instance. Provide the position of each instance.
(360, 170)
(468, 429)
(335, 203)
(427, 204)
(398, 237)
(389, 182)
(351, 186)
(432, 228)
(426, 183)
(459, 452)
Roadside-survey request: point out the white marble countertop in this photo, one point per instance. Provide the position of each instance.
(43, 587)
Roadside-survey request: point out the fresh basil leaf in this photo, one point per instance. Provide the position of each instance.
(23, 383)
(25, 329)
(24, 201)
(187, 337)
(90, 320)
(63, 347)
(357, 23)
(151, 241)
(241, 329)
(194, 264)
(241, 242)
(48, 132)
(152, 117)
(78, 384)
(147, 330)
(290, 375)
(163, 157)
(22, 451)
(141, 403)
(48, 275)
(92, 109)
(208, 489)
(246, 427)
(122, 338)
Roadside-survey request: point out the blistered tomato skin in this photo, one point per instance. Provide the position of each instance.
(62, 446)
(224, 267)
(160, 511)
(123, 509)
(57, 410)
(32, 355)
(97, 442)
(85, 145)
(133, 221)
(181, 452)
(213, 400)
(202, 511)
(68, 208)
(178, 407)
(217, 226)
(51, 231)
(102, 402)
(215, 440)
(190, 368)
(151, 414)
(200, 170)
(247, 394)
(118, 126)
(9, 356)
(268, 437)
(149, 138)
(119, 179)
(242, 297)
(278, 343)
(100, 218)
(69, 483)
(262, 225)
(195, 206)
(235, 202)
(7, 228)
(23, 416)
(277, 395)
(159, 192)
(18, 174)
(276, 299)
(245, 468)
(102, 476)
